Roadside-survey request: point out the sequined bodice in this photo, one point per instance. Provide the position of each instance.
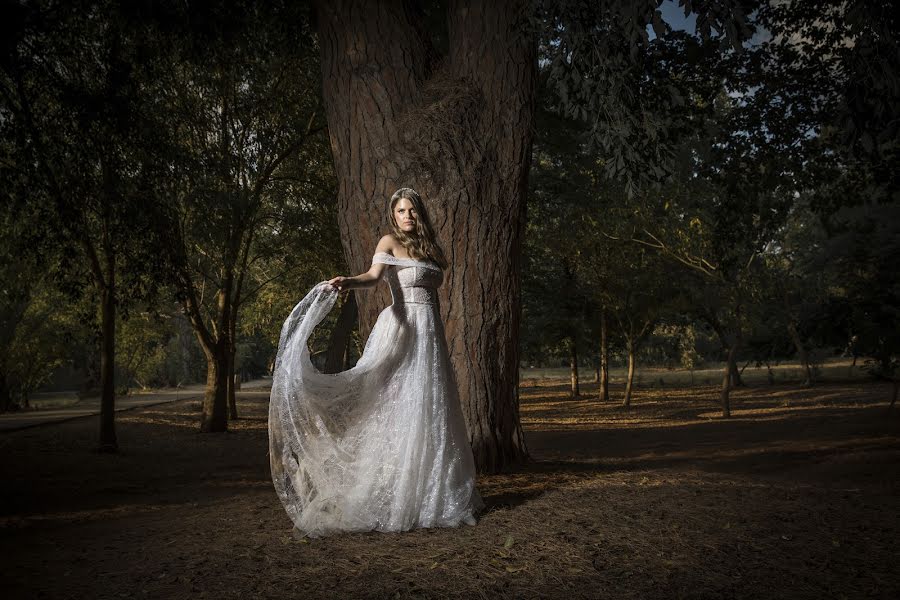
(382, 445)
(411, 281)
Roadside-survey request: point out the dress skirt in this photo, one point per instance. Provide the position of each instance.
(381, 446)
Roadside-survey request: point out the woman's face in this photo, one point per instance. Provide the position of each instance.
(405, 215)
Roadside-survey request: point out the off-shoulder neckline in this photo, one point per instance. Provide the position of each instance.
(392, 256)
(410, 261)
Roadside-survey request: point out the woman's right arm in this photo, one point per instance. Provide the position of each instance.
(369, 278)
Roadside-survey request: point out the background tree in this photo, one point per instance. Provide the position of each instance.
(69, 98)
(34, 325)
(834, 66)
(236, 94)
(798, 285)
(557, 302)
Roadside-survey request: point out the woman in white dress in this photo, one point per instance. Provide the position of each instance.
(381, 446)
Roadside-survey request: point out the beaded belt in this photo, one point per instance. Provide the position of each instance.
(417, 295)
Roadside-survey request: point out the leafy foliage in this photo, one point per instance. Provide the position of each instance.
(639, 97)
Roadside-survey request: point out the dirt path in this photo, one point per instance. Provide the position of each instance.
(91, 406)
(795, 497)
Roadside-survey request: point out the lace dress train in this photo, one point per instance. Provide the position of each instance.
(383, 445)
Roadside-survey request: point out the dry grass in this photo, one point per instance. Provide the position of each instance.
(796, 496)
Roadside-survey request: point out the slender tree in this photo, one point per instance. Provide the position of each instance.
(69, 96)
(235, 93)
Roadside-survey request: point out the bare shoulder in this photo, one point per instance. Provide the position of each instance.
(387, 244)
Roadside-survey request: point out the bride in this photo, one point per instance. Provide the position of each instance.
(381, 446)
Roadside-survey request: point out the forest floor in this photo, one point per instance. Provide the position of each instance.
(795, 496)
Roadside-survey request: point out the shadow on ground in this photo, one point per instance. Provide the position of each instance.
(795, 496)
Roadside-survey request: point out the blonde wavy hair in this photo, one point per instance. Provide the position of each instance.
(422, 245)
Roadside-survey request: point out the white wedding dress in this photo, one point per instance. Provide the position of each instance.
(383, 445)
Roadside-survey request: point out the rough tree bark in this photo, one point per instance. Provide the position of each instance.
(458, 129)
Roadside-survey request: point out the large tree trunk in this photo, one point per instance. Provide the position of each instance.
(108, 441)
(573, 368)
(459, 131)
(629, 382)
(604, 357)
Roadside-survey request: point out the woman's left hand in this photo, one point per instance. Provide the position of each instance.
(339, 283)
